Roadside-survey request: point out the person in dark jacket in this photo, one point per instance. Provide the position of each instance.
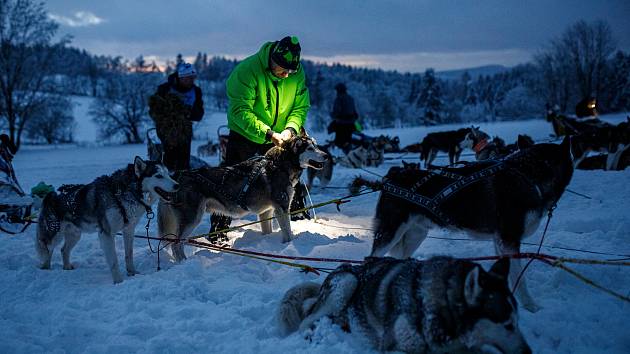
(176, 104)
(344, 116)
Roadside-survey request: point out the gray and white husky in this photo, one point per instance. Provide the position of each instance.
(263, 185)
(107, 205)
(441, 305)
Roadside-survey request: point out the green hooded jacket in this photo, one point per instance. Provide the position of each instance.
(259, 101)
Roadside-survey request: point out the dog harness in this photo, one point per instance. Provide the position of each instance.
(433, 204)
(257, 170)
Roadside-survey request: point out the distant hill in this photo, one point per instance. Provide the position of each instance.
(474, 72)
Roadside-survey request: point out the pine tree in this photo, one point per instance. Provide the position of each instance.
(430, 99)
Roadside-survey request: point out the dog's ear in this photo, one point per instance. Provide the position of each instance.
(501, 268)
(293, 144)
(139, 166)
(472, 286)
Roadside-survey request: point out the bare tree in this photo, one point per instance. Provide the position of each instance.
(53, 122)
(122, 110)
(573, 66)
(556, 77)
(588, 47)
(26, 58)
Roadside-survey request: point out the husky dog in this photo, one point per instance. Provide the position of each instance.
(417, 147)
(563, 125)
(441, 305)
(605, 142)
(453, 142)
(506, 204)
(599, 162)
(497, 149)
(209, 149)
(370, 153)
(613, 141)
(325, 173)
(615, 157)
(109, 204)
(389, 144)
(263, 185)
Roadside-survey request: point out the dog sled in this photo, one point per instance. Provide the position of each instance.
(15, 205)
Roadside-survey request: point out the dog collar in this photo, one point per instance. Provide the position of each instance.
(480, 145)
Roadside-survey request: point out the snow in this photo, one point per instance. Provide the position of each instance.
(224, 303)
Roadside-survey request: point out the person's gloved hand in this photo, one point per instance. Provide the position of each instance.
(286, 134)
(276, 139)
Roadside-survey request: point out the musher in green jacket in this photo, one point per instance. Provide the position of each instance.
(268, 104)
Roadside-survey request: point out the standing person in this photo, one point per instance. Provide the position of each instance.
(344, 115)
(268, 104)
(175, 105)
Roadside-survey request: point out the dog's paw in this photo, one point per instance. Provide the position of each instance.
(117, 278)
(132, 272)
(45, 266)
(69, 266)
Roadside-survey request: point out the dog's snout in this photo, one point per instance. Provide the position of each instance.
(175, 187)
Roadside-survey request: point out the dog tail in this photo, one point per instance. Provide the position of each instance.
(294, 306)
(360, 182)
(48, 225)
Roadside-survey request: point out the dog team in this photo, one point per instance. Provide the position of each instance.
(395, 303)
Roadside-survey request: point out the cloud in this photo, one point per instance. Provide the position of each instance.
(80, 19)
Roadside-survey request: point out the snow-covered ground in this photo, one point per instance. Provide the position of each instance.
(223, 303)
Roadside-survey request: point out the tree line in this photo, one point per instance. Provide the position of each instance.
(41, 74)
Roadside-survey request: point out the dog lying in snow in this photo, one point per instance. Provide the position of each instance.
(441, 305)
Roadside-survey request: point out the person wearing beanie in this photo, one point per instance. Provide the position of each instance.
(344, 115)
(176, 104)
(268, 103)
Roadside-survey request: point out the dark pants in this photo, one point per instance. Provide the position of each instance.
(238, 150)
(343, 135)
(177, 157)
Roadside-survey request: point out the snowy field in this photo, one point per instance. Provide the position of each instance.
(223, 303)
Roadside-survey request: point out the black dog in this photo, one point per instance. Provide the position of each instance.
(497, 149)
(453, 142)
(503, 200)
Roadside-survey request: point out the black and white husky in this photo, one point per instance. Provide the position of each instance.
(441, 305)
(453, 142)
(263, 185)
(505, 204)
(107, 205)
